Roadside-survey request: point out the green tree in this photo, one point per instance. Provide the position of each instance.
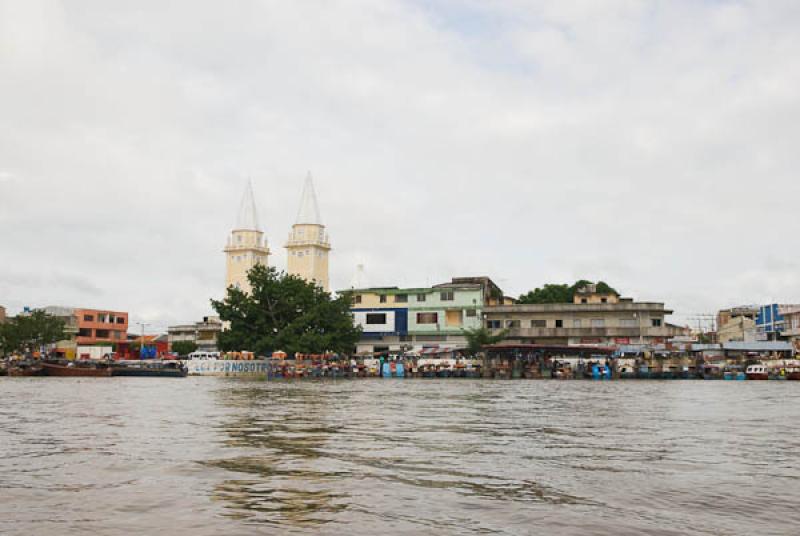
(561, 293)
(285, 312)
(30, 332)
(479, 337)
(183, 348)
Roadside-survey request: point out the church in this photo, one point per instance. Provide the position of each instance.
(307, 247)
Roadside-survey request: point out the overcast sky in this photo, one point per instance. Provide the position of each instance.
(653, 145)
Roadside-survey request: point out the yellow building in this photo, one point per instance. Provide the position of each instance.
(246, 244)
(308, 245)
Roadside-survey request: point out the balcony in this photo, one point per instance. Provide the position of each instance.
(606, 332)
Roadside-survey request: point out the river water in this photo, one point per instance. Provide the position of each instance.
(203, 456)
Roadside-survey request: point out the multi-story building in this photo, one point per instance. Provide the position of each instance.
(204, 334)
(246, 245)
(594, 318)
(400, 319)
(100, 326)
(770, 321)
(791, 324)
(308, 245)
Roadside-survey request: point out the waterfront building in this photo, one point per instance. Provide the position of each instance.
(737, 324)
(791, 324)
(415, 319)
(246, 246)
(204, 334)
(308, 245)
(770, 321)
(602, 319)
(100, 326)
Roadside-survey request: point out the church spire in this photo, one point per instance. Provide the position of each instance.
(308, 214)
(248, 215)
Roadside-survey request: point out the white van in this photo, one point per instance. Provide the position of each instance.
(203, 355)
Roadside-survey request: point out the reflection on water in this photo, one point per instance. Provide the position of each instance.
(220, 456)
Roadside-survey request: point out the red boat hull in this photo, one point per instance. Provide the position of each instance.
(757, 376)
(51, 369)
(793, 376)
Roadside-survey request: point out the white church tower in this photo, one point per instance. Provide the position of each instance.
(308, 244)
(246, 245)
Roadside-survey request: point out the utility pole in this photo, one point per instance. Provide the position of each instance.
(141, 341)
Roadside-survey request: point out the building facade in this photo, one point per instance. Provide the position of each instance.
(791, 324)
(592, 319)
(100, 326)
(204, 334)
(770, 321)
(308, 246)
(246, 245)
(396, 319)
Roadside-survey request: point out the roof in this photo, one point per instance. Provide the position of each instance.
(248, 215)
(308, 213)
(761, 346)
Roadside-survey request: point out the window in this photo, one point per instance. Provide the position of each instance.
(120, 320)
(512, 323)
(421, 297)
(102, 333)
(656, 322)
(401, 298)
(357, 298)
(472, 313)
(559, 323)
(88, 318)
(576, 323)
(584, 300)
(494, 324)
(538, 323)
(84, 332)
(627, 322)
(383, 298)
(447, 296)
(598, 323)
(427, 318)
(376, 318)
(603, 300)
(299, 253)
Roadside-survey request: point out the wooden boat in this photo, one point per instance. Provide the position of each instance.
(793, 373)
(24, 368)
(77, 370)
(172, 369)
(757, 372)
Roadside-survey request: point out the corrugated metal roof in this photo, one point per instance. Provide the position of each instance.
(759, 346)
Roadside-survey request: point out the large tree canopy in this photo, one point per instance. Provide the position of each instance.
(284, 312)
(555, 293)
(30, 332)
(479, 337)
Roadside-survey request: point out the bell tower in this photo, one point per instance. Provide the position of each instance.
(308, 245)
(246, 245)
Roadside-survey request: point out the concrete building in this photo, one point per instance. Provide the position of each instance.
(737, 324)
(100, 326)
(308, 245)
(791, 324)
(204, 334)
(401, 319)
(770, 321)
(246, 245)
(593, 319)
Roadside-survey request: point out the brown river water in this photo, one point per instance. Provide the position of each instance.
(203, 456)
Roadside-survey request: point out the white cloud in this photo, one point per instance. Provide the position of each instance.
(647, 144)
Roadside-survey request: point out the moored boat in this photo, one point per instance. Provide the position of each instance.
(24, 368)
(793, 373)
(71, 369)
(166, 369)
(757, 372)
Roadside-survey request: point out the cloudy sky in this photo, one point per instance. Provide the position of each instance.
(650, 144)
